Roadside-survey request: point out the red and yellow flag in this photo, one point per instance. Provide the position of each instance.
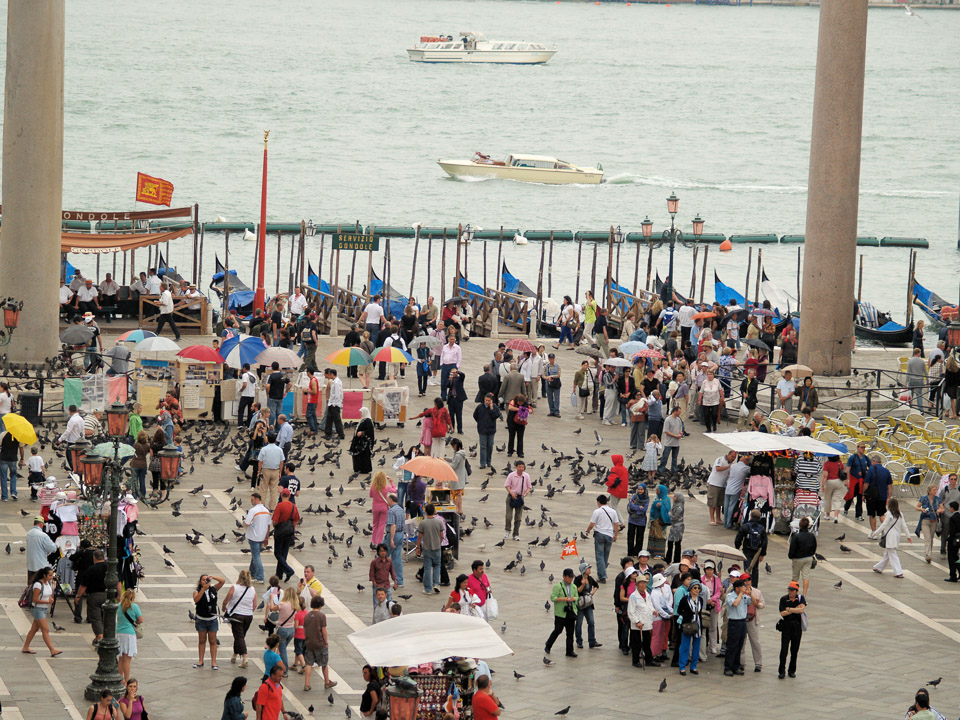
(569, 549)
(155, 191)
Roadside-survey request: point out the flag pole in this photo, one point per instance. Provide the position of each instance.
(259, 298)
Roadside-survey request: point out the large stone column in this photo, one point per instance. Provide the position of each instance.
(826, 332)
(33, 174)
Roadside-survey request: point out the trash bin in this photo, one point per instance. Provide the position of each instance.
(30, 407)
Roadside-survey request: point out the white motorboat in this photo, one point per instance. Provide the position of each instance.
(524, 168)
(471, 47)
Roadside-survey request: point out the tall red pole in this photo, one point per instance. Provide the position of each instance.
(259, 298)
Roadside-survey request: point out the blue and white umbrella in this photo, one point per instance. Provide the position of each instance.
(242, 351)
(632, 347)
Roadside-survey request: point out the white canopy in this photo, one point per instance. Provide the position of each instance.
(427, 637)
(765, 442)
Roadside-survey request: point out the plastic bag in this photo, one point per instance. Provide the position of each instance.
(492, 608)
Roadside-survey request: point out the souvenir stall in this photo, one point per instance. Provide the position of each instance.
(390, 404)
(430, 660)
(198, 373)
(784, 476)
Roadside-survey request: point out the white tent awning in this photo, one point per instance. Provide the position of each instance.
(427, 637)
(744, 442)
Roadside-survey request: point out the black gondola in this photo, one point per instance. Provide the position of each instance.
(871, 324)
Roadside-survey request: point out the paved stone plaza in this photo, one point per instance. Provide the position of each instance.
(870, 644)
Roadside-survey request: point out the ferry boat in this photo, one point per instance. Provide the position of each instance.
(524, 168)
(471, 47)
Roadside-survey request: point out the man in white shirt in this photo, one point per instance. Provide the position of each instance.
(257, 521)
(716, 484)
(372, 317)
(685, 320)
(786, 389)
(605, 523)
(166, 313)
(139, 284)
(86, 299)
(334, 405)
(66, 295)
(74, 431)
(450, 357)
(298, 303)
(248, 392)
(284, 435)
(153, 283)
(77, 282)
(108, 290)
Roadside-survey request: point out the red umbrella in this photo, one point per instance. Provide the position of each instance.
(201, 353)
(521, 345)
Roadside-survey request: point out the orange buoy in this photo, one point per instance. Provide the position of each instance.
(726, 246)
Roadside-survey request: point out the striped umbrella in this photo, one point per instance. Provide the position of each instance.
(136, 336)
(349, 357)
(243, 352)
(392, 355)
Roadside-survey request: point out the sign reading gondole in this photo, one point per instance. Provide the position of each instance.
(356, 242)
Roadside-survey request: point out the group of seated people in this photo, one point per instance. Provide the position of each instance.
(81, 295)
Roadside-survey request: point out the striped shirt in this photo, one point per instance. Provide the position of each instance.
(808, 473)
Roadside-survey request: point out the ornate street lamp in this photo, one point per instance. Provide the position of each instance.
(672, 237)
(77, 450)
(953, 336)
(117, 419)
(169, 464)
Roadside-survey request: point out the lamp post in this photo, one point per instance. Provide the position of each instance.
(953, 336)
(672, 237)
(105, 476)
(11, 319)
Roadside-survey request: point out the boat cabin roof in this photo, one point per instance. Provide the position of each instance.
(533, 158)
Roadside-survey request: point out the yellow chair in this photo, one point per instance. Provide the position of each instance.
(849, 418)
(779, 415)
(951, 459)
(869, 427)
(918, 451)
(827, 436)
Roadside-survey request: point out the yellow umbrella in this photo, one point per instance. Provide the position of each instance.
(20, 428)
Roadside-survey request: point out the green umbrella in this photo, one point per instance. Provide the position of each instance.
(105, 449)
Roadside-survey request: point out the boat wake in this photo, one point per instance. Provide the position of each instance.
(674, 183)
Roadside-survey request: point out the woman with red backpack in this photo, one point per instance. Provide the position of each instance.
(518, 414)
(440, 426)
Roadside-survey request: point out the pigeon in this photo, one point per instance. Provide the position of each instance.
(934, 683)
(766, 566)
(167, 551)
(547, 661)
(405, 597)
(349, 712)
(167, 563)
(517, 675)
(57, 628)
(563, 713)
(599, 441)
(839, 585)
(842, 538)
(663, 685)
(503, 628)
(7, 549)
(310, 709)
(360, 588)
(546, 605)
(191, 615)
(330, 698)
(819, 557)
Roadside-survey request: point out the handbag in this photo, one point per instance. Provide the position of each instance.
(228, 615)
(516, 502)
(154, 464)
(584, 601)
(136, 628)
(492, 608)
(143, 709)
(690, 629)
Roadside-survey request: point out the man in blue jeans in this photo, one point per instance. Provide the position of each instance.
(257, 521)
(429, 539)
(605, 523)
(394, 535)
(11, 454)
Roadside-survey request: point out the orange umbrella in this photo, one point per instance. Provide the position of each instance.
(702, 315)
(426, 466)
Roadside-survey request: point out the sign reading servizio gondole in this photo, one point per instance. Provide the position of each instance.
(356, 242)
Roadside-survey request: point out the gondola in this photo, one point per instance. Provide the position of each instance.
(241, 296)
(167, 272)
(658, 286)
(314, 281)
(514, 285)
(871, 324)
(397, 302)
(724, 294)
(930, 304)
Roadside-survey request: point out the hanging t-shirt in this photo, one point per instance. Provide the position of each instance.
(68, 515)
(808, 473)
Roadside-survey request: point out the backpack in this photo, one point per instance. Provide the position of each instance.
(439, 425)
(26, 597)
(754, 538)
(522, 416)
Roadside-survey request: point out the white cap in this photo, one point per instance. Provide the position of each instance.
(628, 572)
(735, 573)
(658, 580)
(129, 499)
(51, 482)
